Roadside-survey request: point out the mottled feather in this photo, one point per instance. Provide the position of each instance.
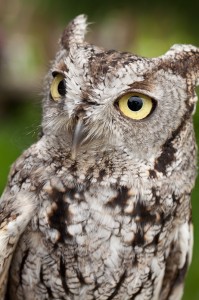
(99, 208)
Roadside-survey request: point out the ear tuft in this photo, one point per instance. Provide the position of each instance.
(74, 32)
(185, 58)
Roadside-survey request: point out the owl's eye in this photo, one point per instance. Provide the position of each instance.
(58, 87)
(135, 106)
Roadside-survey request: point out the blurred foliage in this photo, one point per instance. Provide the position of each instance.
(28, 39)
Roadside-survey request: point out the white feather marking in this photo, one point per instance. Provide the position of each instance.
(113, 260)
(183, 240)
(23, 206)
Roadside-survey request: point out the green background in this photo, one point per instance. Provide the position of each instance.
(28, 40)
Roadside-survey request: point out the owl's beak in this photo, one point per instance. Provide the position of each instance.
(78, 136)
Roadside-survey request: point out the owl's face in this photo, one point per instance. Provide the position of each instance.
(100, 100)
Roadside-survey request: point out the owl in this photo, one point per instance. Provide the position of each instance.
(99, 207)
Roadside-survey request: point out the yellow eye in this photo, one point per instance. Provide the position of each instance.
(58, 87)
(135, 106)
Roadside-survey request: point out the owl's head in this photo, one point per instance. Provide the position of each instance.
(100, 100)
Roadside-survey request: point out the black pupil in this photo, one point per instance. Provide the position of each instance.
(135, 103)
(62, 87)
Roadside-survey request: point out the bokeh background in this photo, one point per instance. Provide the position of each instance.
(29, 31)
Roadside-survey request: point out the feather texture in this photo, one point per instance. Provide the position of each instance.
(99, 208)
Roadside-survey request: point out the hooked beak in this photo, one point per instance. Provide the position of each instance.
(78, 137)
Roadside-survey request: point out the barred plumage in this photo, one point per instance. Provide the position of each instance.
(99, 207)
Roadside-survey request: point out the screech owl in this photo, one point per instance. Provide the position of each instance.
(99, 207)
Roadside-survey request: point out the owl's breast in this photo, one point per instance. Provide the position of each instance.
(91, 242)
